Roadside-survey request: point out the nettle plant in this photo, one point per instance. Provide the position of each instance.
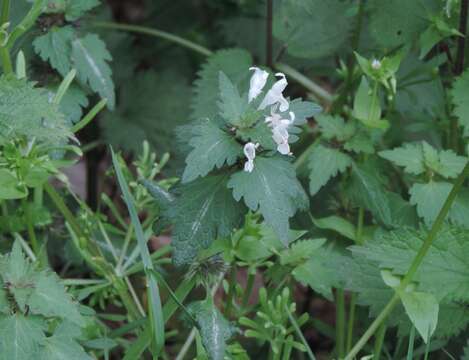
(350, 208)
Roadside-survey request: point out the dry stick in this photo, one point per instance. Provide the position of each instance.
(269, 36)
(414, 266)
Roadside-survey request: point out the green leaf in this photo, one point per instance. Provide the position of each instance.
(422, 309)
(151, 109)
(325, 163)
(321, 272)
(429, 198)
(56, 48)
(410, 156)
(214, 329)
(90, 58)
(50, 299)
(25, 111)
(337, 224)
(312, 28)
(444, 263)
(460, 99)
(367, 108)
(234, 63)
(397, 22)
(73, 103)
(212, 147)
(20, 337)
(273, 189)
(300, 251)
(77, 8)
(62, 345)
(203, 211)
(303, 110)
(232, 105)
(10, 187)
(334, 127)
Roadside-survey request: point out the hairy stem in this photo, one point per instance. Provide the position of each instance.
(414, 265)
(154, 32)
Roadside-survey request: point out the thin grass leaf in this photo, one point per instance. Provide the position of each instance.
(156, 315)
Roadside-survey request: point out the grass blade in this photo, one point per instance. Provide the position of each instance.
(156, 315)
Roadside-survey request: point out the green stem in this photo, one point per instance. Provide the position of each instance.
(27, 22)
(379, 341)
(6, 60)
(300, 334)
(340, 323)
(233, 282)
(351, 322)
(414, 266)
(154, 32)
(30, 227)
(90, 116)
(5, 12)
(410, 348)
(309, 84)
(249, 286)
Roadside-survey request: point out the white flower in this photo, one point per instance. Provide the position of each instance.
(280, 130)
(258, 81)
(250, 153)
(275, 94)
(376, 64)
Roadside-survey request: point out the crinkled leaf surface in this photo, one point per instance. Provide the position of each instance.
(324, 163)
(429, 198)
(25, 110)
(212, 148)
(234, 63)
(203, 211)
(273, 189)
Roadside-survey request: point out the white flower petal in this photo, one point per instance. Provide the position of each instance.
(284, 149)
(250, 150)
(257, 83)
(274, 95)
(376, 64)
(249, 166)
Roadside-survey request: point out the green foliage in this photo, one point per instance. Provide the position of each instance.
(272, 188)
(429, 198)
(214, 329)
(459, 94)
(312, 28)
(25, 111)
(212, 147)
(325, 163)
(234, 63)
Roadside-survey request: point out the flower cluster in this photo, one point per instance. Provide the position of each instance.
(275, 99)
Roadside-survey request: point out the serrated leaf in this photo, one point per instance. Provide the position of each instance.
(429, 198)
(422, 309)
(303, 110)
(337, 224)
(56, 48)
(325, 163)
(50, 299)
(410, 156)
(20, 337)
(444, 263)
(25, 111)
(234, 63)
(212, 148)
(460, 99)
(312, 28)
(335, 127)
(204, 211)
(73, 103)
(300, 251)
(62, 345)
(76, 9)
(232, 106)
(273, 189)
(214, 329)
(90, 58)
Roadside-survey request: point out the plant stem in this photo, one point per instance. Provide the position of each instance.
(340, 323)
(379, 341)
(6, 60)
(300, 334)
(5, 12)
(410, 349)
(269, 35)
(309, 84)
(30, 227)
(414, 265)
(351, 322)
(459, 67)
(249, 286)
(154, 32)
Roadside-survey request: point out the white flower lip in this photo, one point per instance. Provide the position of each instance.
(250, 153)
(376, 64)
(275, 94)
(257, 83)
(280, 130)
